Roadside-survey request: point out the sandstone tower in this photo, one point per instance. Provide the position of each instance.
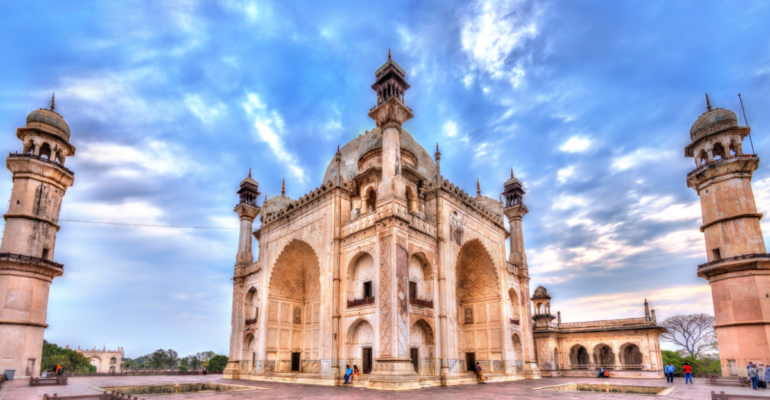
(738, 263)
(27, 251)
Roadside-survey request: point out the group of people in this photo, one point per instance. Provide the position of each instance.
(759, 375)
(57, 372)
(350, 373)
(670, 369)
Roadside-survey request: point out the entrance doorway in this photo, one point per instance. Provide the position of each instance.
(366, 358)
(470, 361)
(415, 354)
(294, 362)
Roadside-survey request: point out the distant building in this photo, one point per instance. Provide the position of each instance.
(104, 360)
(29, 240)
(627, 347)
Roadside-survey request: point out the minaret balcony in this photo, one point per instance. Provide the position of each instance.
(738, 163)
(36, 265)
(724, 265)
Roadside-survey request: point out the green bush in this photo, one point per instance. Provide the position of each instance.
(217, 363)
(182, 369)
(70, 360)
(92, 369)
(705, 365)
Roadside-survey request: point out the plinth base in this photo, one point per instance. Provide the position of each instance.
(531, 371)
(233, 370)
(393, 374)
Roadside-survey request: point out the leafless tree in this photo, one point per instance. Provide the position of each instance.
(695, 333)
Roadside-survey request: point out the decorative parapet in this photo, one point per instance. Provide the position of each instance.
(249, 269)
(40, 158)
(471, 201)
(389, 210)
(714, 163)
(513, 269)
(301, 202)
(421, 303)
(360, 302)
(610, 323)
(730, 260)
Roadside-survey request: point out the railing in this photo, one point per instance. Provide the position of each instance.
(421, 303)
(360, 302)
(605, 366)
(30, 259)
(59, 380)
(514, 321)
(736, 258)
(579, 366)
(102, 396)
(631, 367)
(512, 268)
(40, 158)
(717, 162)
(251, 321)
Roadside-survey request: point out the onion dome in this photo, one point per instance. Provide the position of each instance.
(712, 121)
(541, 293)
(50, 122)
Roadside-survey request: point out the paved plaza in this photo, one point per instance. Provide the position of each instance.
(522, 389)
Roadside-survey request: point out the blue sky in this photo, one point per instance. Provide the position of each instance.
(171, 103)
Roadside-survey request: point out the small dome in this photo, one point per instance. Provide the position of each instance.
(50, 119)
(490, 204)
(541, 292)
(275, 204)
(713, 121)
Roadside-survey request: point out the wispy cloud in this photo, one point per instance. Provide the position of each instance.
(152, 158)
(575, 144)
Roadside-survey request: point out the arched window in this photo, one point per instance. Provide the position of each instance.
(718, 151)
(578, 357)
(45, 151)
(251, 306)
(411, 199)
(371, 201)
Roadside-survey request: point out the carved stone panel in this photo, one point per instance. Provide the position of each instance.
(273, 312)
(402, 273)
(494, 312)
(481, 313)
(285, 310)
(468, 315)
(385, 297)
(297, 315)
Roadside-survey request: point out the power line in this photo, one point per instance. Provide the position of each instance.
(146, 225)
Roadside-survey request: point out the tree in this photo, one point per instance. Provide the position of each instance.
(70, 360)
(184, 362)
(172, 358)
(158, 359)
(195, 361)
(695, 333)
(217, 363)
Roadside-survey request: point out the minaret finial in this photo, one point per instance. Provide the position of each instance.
(708, 102)
(511, 172)
(283, 187)
(478, 187)
(249, 172)
(388, 54)
(53, 101)
(338, 147)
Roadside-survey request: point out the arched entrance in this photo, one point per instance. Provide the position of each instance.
(422, 349)
(359, 346)
(97, 362)
(518, 354)
(249, 351)
(578, 357)
(360, 279)
(514, 307)
(630, 356)
(250, 306)
(294, 296)
(604, 357)
(478, 305)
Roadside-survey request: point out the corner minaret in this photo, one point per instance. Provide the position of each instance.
(247, 209)
(738, 264)
(515, 210)
(27, 251)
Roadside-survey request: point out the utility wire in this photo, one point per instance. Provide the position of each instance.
(146, 225)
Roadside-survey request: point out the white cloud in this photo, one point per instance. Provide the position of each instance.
(565, 173)
(206, 113)
(575, 144)
(664, 209)
(639, 156)
(492, 30)
(150, 158)
(565, 201)
(450, 129)
(686, 242)
(269, 127)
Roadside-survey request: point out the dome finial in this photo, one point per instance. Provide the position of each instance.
(511, 172)
(53, 101)
(388, 54)
(708, 102)
(283, 187)
(478, 187)
(249, 172)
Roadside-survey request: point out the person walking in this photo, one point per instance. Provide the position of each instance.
(767, 374)
(669, 370)
(753, 376)
(761, 376)
(479, 375)
(687, 373)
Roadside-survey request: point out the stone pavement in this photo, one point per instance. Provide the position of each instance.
(522, 389)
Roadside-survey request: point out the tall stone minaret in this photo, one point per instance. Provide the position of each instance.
(737, 267)
(27, 251)
(515, 210)
(247, 209)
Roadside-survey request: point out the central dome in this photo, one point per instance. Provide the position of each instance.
(356, 149)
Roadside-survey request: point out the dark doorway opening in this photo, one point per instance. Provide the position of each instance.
(367, 360)
(295, 362)
(412, 290)
(470, 361)
(367, 289)
(415, 354)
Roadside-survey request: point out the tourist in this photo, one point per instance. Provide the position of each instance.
(687, 373)
(355, 372)
(761, 376)
(479, 375)
(348, 373)
(204, 371)
(601, 372)
(753, 376)
(767, 374)
(670, 373)
(44, 375)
